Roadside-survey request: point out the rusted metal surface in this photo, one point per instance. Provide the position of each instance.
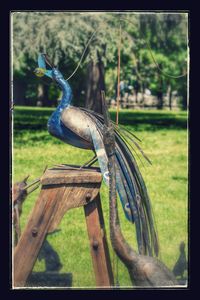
(75, 119)
(144, 270)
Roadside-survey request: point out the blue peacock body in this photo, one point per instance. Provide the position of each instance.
(83, 128)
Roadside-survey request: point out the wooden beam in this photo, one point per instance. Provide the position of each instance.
(98, 243)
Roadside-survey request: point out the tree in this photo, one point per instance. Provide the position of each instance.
(64, 35)
(167, 34)
(95, 83)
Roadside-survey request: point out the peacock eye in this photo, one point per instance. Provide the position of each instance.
(40, 72)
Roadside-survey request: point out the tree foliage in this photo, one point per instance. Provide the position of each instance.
(64, 35)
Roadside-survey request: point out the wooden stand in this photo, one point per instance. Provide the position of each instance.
(63, 189)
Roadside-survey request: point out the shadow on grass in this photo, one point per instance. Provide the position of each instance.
(31, 118)
(180, 266)
(152, 120)
(51, 276)
(36, 119)
(46, 279)
(34, 136)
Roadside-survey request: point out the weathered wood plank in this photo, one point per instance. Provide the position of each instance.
(75, 195)
(33, 236)
(63, 190)
(60, 176)
(98, 244)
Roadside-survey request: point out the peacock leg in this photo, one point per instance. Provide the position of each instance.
(90, 162)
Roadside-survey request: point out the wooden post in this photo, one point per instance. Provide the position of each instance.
(64, 189)
(98, 243)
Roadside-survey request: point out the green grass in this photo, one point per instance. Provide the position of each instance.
(164, 140)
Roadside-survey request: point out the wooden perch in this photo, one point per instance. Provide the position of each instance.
(64, 189)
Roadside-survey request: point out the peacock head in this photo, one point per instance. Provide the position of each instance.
(42, 70)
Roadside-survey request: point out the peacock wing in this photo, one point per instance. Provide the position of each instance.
(75, 120)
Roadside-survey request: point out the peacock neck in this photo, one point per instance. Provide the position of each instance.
(53, 124)
(67, 94)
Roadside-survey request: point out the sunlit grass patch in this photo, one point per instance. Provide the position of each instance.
(164, 140)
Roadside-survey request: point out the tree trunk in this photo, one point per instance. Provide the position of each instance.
(43, 95)
(183, 95)
(19, 90)
(137, 84)
(136, 97)
(160, 94)
(170, 97)
(143, 94)
(95, 83)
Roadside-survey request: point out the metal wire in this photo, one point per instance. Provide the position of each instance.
(89, 41)
(118, 74)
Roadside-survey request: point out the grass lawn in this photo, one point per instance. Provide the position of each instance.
(164, 140)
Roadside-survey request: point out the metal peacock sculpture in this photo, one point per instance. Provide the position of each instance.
(83, 128)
